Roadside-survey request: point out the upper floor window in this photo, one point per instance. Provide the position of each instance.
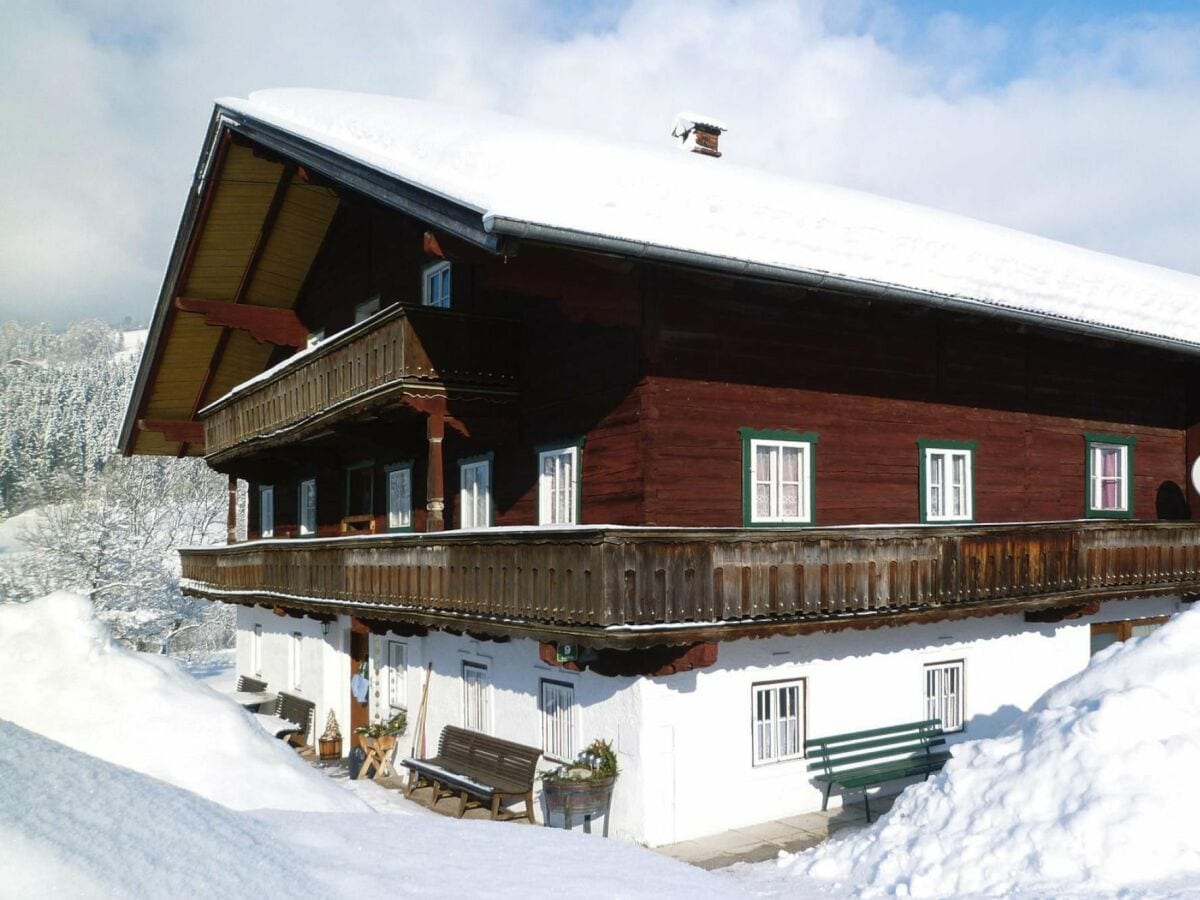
(475, 494)
(399, 496)
(308, 506)
(777, 484)
(266, 510)
(947, 480)
(366, 309)
(558, 486)
(1109, 473)
(360, 489)
(778, 721)
(435, 285)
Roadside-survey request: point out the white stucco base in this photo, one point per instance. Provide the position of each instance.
(684, 741)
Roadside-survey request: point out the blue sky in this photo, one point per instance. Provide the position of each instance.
(1074, 120)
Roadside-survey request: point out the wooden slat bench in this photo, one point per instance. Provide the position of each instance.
(863, 759)
(250, 685)
(291, 719)
(479, 768)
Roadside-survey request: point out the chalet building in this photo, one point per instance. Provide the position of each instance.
(635, 443)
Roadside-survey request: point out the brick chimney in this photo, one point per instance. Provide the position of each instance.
(698, 133)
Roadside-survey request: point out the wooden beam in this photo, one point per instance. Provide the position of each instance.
(265, 324)
(1055, 614)
(183, 431)
(435, 494)
(260, 245)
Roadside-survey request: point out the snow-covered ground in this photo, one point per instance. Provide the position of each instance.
(124, 775)
(1092, 793)
(13, 527)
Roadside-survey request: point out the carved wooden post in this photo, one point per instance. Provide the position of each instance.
(231, 515)
(435, 491)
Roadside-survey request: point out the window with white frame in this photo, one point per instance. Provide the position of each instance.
(477, 698)
(399, 497)
(778, 721)
(944, 698)
(558, 486)
(256, 650)
(294, 659)
(778, 478)
(435, 285)
(397, 656)
(558, 720)
(475, 493)
(366, 309)
(1110, 475)
(947, 479)
(266, 511)
(308, 506)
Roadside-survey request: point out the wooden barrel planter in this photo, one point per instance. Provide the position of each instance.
(579, 798)
(329, 748)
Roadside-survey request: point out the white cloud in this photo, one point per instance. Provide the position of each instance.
(1080, 132)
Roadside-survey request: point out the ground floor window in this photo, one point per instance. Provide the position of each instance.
(477, 701)
(944, 698)
(397, 661)
(256, 650)
(1105, 634)
(558, 720)
(294, 659)
(778, 709)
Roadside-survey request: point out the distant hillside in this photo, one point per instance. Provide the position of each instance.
(63, 397)
(74, 514)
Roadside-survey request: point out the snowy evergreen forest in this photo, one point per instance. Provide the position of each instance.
(76, 515)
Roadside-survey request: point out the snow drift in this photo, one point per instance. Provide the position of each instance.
(1095, 789)
(61, 676)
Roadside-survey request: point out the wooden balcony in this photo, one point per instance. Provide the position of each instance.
(636, 587)
(409, 351)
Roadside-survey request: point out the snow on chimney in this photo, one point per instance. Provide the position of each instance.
(698, 133)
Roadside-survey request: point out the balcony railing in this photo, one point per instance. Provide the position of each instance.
(647, 582)
(402, 349)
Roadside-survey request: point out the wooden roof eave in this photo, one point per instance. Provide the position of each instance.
(200, 195)
(437, 211)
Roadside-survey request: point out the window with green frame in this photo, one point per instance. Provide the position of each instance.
(778, 477)
(1108, 476)
(947, 480)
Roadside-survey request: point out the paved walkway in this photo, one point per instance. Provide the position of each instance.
(758, 843)
(754, 843)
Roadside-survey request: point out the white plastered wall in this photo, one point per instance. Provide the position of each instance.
(697, 741)
(684, 741)
(324, 666)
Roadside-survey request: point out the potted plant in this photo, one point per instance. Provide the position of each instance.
(330, 742)
(583, 787)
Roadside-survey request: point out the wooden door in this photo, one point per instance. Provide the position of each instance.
(360, 649)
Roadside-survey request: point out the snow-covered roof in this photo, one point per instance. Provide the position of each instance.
(526, 179)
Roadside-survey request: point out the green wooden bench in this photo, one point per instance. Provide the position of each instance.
(863, 759)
